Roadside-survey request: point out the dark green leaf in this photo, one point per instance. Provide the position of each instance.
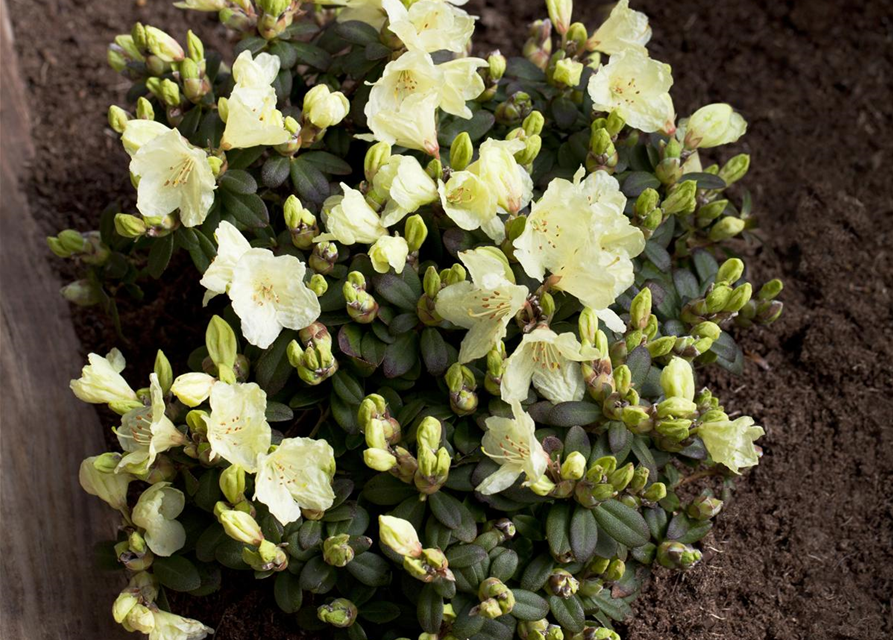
(160, 255)
(637, 181)
(401, 356)
(434, 352)
(328, 163)
(319, 577)
(385, 490)
(446, 509)
(568, 612)
(658, 255)
(479, 124)
(565, 112)
(537, 572)
(639, 363)
(623, 523)
(686, 284)
(347, 387)
(430, 609)
(684, 529)
(273, 368)
(583, 534)
(529, 606)
(356, 32)
(287, 591)
(236, 181)
(310, 183)
(176, 573)
(558, 529)
(393, 289)
(705, 180)
(275, 170)
(465, 555)
(705, 265)
(370, 569)
(247, 209)
(379, 611)
(312, 55)
(278, 412)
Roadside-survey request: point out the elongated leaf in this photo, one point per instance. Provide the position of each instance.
(370, 569)
(273, 367)
(434, 352)
(558, 529)
(160, 255)
(312, 55)
(287, 591)
(236, 181)
(623, 523)
(583, 534)
(275, 171)
(637, 181)
(393, 289)
(356, 32)
(537, 572)
(705, 180)
(176, 573)
(639, 363)
(328, 163)
(248, 209)
(310, 183)
(430, 609)
(529, 606)
(446, 509)
(568, 612)
(465, 555)
(401, 356)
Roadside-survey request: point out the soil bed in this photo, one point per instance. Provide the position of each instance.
(806, 548)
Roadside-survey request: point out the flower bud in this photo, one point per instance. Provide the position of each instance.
(532, 146)
(675, 430)
(273, 7)
(128, 226)
(240, 526)
(323, 258)
(83, 293)
(735, 169)
(704, 507)
(415, 232)
(711, 211)
(340, 613)
(620, 478)
(232, 483)
(324, 108)
(647, 201)
(162, 45)
(726, 228)
(399, 536)
(461, 383)
(576, 37)
(730, 271)
(574, 466)
(740, 296)
(615, 570)
(461, 151)
(656, 492)
(681, 200)
(568, 72)
(336, 550)
(676, 555)
(222, 347)
(361, 306)
(640, 309)
(770, 290)
(560, 14)
(623, 379)
(562, 584)
(661, 347)
(677, 379)
(514, 110)
(118, 119)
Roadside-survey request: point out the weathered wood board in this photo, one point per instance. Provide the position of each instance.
(49, 588)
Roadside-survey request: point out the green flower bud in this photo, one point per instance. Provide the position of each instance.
(223, 109)
(118, 119)
(740, 297)
(514, 110)
(676, 555)
(634, 415)
(496, 66)
(323, 258)
(726, 228)
(640, 479)
(704, 508)
(453, 275)
(661, 347)
(674, 430)
(240, 526)
(336, 550)
(461, 383)
(273, 7)
(461, 151)
(492, 589)
(116, 59)
(377, 156)
(83, 293)
(560, 14)
(222, 347)
(623, 379)
(547, 304)
(232, 483)
(677, 407)
(640, 309)
(128, 226)
(562, 584)
(568, 72)
(429, 433)
(162, 45)
(718, 298)
(577, 36)
(574, 466)
(532, 148)
(361, 306)
(621, 477)
(730, 271)
(647, 201)
(73, 242)
(614, 125)
(543, 486)
(538, 47)
(489, 609)
(711, 211)
(735, 169)
(170, 93)
(681, 200)
(431, 282)
(533, 123)
(415, 232)
(340, 613)
(669, 171)
(615, 570)
(318, 285)
(600, 143)
(770, 290)
(656, 492)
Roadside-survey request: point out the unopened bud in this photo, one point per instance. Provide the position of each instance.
(562, 584)
(568, 72)
(163, 45)
(726, 228)
(83, 293)
(681, 200)
(323, 258)
(560, 14)
(735, 169)
(704, 507)
(676, 555)
(240, 526)
(232, 483)
(656, 492)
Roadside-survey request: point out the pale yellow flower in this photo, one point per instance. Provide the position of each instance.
(237, 426)
(512, 443)
(156, 512)
(296, 475)
(625, 29)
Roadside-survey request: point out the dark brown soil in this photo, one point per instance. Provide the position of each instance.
(805, 551)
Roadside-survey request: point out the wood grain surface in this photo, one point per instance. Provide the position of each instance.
(49, 587)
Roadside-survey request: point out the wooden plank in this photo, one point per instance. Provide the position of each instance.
(50, 587)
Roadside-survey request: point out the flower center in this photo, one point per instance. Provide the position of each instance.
(492, 305)
(264, 293)
(180, 172)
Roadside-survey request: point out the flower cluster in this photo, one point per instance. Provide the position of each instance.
(461, 306)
